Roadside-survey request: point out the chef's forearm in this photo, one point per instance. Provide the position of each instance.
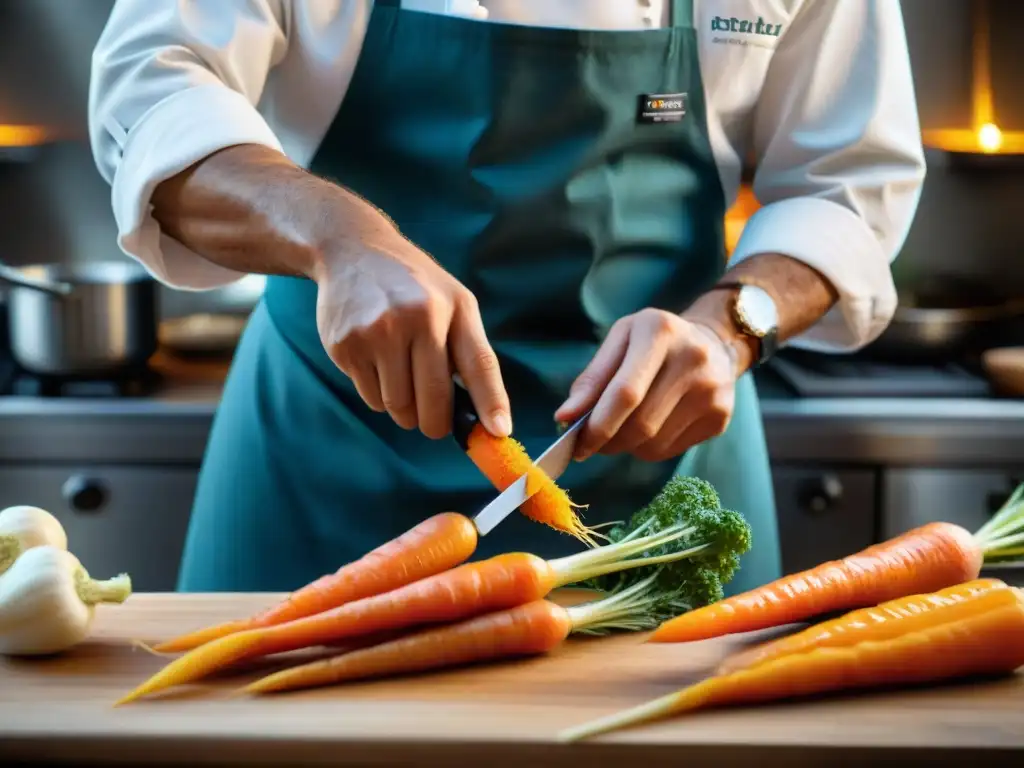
(802, 296)
(250, 209)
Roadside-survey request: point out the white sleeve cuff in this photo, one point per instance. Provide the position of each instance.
(842, 247)
(175, 134)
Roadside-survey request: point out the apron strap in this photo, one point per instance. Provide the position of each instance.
(682, 13)
(388, 3)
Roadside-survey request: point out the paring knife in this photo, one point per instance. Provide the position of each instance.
(553, 461)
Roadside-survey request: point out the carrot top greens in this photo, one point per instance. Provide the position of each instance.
(1002, 537)
(704, 557)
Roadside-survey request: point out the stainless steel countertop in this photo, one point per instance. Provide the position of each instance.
(171, 427)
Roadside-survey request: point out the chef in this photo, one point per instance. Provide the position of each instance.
(527, 193)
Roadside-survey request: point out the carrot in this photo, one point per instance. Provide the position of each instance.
(888, 620)
(431, 547)
(495, 584)
(503, 460)
(986, 642)
(534, 628)
(925, 559)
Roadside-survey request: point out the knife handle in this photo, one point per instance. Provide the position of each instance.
(464, 416)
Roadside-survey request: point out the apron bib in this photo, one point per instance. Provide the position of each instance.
(527, 162)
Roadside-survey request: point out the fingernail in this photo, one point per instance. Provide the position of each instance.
(570, 402)
(503, 424)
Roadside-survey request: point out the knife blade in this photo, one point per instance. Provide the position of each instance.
(553, 461)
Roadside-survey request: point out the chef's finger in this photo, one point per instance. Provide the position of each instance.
(394, 368)
(367, 384)
(653, 416)
(623, 395)
(477, 364)
(698, 432)
(589, 385)
(432, 378)
(702, 414)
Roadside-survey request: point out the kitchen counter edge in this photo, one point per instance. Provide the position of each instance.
(172, 427)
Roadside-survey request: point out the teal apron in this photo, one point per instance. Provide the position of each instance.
(519, 158)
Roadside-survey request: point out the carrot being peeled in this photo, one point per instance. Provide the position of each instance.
(499, 583)
(503, 460)
(437, 544)
(986, 642)
(925, 559)
(882, 622)
(534, 628)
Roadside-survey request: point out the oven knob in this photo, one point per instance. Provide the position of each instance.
(84, 494)
(822, 495)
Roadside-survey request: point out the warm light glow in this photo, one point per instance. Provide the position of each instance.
(21, 135)
(990, 138)
(984, 135)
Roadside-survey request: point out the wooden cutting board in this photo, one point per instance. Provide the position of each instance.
(59, 709)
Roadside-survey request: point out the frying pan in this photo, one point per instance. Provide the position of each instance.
(947, 317)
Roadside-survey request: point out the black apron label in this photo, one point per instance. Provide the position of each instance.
(661, 107)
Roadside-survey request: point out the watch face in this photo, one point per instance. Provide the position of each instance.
(758, 310)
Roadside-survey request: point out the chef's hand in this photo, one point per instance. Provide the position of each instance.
(658, 384)
(399, 326)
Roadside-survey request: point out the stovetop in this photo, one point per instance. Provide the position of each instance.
(815, 375)
(128, 383)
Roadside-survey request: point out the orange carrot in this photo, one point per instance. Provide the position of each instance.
(435, 545)
(882, 622)
(471, 589)
(989, 641)
(529, 629)
(926, 559)
(503, 460)
(533, 628)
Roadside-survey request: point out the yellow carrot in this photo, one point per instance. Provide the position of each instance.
(891, 619)
(990, 641)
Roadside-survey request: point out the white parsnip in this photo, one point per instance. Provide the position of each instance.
(25, 527)
(48, 601)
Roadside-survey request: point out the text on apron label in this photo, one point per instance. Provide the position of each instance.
(661, 107)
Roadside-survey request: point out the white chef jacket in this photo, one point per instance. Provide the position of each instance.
(825, 106)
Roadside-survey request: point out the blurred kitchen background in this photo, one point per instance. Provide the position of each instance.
(927, 423)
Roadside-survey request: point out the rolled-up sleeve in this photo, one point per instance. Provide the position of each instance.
(173, 82)
(839, 160)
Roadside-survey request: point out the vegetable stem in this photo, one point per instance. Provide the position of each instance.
(628, 610)
(10, 550)
(92, 591)
(615, 557)
(1007, 517)
(637, 562)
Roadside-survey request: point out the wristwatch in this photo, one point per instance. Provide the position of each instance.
(756, 316)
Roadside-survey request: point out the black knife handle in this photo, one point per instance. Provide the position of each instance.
(464, 416)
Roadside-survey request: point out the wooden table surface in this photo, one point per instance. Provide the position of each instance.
(59, 709)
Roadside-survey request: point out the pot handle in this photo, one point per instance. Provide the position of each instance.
(14, 277)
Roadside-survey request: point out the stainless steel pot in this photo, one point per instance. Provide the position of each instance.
(81, 319)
